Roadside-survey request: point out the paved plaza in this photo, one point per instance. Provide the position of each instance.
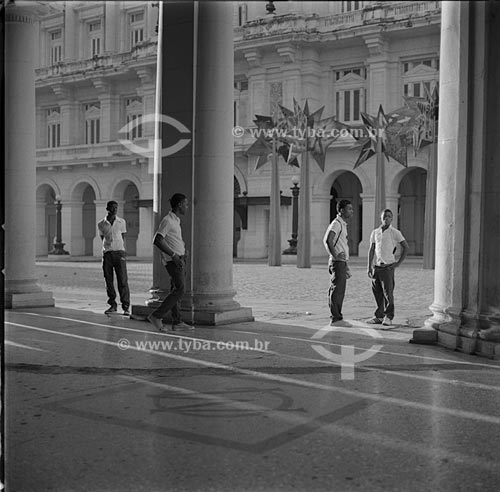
(278, 294)
(97, 403)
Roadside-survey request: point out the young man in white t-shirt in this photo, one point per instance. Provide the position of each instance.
(335, 242)
(168, 239)
(384, 242)
(114, 258)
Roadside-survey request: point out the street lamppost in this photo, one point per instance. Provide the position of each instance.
(292, 250)
(58, 248)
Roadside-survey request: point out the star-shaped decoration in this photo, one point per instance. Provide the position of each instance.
(391, 129)
(427, 109)
(263, 145)
(306, 131)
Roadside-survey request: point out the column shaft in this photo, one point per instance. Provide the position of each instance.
(214, 169)
(21, 289)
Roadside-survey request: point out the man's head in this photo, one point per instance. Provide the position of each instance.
(112, 207)
(345, 209)
(179, 203)
(386, 217)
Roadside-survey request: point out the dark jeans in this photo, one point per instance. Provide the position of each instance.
(171, 302)
(383, 289)
(116, 261)
(336, 292)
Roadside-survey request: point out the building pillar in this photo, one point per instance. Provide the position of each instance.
(320, 219)
(212, 260)
(72, 227)
(21, 288)
(368, 214)
(197, 91)
(145, 237)
(41, 228)
(466, 307)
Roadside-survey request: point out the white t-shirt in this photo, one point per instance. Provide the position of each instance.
(170, 229)
(386, 243)
(339, 227)
(113, 239)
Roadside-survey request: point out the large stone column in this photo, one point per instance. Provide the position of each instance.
(197, 92)
(466, 303)
(212, 259)
(21, 288)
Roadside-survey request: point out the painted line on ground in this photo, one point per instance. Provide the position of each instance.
(365, 368)
(287, 380)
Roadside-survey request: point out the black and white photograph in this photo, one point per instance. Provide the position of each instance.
(250, 246)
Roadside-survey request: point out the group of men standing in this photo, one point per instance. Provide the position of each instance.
(383, 258)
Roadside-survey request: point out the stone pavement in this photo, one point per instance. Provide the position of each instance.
(278, 294)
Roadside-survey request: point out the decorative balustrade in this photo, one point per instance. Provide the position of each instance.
(300, 23)
(144, 50)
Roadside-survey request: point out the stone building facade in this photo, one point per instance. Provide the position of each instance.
(96, 74)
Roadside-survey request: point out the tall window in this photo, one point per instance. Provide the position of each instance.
(350, 6)
(56, 46)
(133, 111)
(350, 90)
(136, 28)
(95, 38)
(53, 127)
(92, 123)
(418, 75)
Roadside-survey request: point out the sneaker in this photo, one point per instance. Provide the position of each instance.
(156, 322)
(387, 321)
(374, 321)
(126, 312)
(340, 322)
(110, 310)
(181, 326)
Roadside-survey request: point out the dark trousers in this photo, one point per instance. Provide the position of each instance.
(383, 289)
(336, 292)
(116, 261)
(171, 302)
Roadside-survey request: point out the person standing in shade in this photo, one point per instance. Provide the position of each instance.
(114, 258)
(384, 243)
(168, 239)
(335, 241)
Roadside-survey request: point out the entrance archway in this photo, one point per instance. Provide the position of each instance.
(348, 187)
(411, 209)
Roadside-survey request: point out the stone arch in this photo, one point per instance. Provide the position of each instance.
(240, 177)
(80, 184)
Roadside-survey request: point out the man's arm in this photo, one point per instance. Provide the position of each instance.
(161, 244)
(371, 254)
(404, 252)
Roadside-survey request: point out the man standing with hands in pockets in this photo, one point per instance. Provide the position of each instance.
(335, 241)
(383, 245)
(168, 239)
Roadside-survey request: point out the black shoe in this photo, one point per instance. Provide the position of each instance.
(110, 310)
(126, 312)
